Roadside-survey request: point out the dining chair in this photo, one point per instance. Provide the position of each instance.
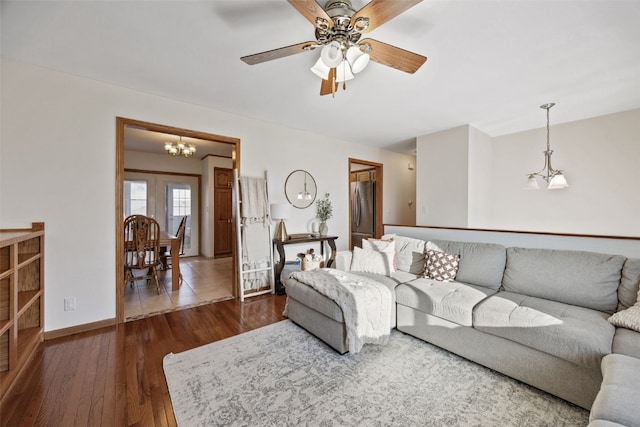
(166, 256)
(142, 248)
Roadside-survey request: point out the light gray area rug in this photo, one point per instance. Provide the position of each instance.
(281, 375)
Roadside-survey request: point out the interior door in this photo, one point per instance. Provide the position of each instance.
(223, 241)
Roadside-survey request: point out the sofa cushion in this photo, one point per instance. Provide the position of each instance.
(480, 263)
(626, 341)
(629, 284)
(576, 334)
(451, 301)
(585, 279)
(441, 266)
(409, 253)
(617, 400)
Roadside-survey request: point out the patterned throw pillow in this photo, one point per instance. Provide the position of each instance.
(441, 266)
(629, 318)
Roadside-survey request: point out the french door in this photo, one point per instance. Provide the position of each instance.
(167, 198)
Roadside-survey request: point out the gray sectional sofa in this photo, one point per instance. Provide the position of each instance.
(537, 315)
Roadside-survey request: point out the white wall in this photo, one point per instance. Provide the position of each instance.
(480, 166)
(58, 166)
(161, 162)
(601, 160)
(442, 178)
(600, 157)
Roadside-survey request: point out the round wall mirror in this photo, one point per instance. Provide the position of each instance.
(300, 189)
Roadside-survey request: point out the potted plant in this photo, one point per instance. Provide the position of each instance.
(324, 211)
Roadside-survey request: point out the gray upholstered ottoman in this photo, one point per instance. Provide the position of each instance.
(618, 401)
(317, 314)
(323, 317)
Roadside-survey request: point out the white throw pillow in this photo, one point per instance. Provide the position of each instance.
(381, 245)
(371, 262)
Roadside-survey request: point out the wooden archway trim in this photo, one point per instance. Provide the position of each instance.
(121, 123)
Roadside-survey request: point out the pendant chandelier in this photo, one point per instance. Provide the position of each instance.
(179, 149)
(555, 178)
(304, 195)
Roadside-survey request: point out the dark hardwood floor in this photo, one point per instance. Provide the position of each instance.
(114, 377)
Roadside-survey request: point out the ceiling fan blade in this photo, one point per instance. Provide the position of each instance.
(395, 57)
(311, 10)
(381, 11)
(269, 55)
(325, 87)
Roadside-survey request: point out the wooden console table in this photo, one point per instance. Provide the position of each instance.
(280, 244)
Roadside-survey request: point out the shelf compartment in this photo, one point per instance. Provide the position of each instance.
(4, 351)
(5, 259)
(29, 277)
(27, 299)
(28, 249)
(30, 318)
(5, 299)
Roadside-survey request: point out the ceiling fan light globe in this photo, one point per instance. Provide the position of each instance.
(357, 58)
(321, 70)
(331, 54)
(343, 72)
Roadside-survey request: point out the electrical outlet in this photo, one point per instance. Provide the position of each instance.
(69, 303)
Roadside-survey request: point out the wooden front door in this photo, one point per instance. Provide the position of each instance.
(223, 179)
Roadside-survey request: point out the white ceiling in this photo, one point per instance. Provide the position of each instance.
(491, 63)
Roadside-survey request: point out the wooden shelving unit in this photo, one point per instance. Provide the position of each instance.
(21, 300)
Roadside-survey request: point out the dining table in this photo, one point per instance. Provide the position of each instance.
(169, 240)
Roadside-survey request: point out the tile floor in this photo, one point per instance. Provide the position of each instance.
(205, 281)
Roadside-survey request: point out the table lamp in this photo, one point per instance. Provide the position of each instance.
(281, 211)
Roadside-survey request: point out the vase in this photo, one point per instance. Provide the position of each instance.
(324, 229)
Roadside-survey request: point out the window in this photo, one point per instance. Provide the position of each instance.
(135, 198)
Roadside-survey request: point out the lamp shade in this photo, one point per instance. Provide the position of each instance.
(532, 183)
(331, 54)
(343, 72)
(280, 210)
(558, 182)
(357, 58)
(321, 70)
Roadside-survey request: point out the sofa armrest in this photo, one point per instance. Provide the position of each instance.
(343, 260)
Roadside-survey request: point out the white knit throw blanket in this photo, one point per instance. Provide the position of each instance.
(365, 303)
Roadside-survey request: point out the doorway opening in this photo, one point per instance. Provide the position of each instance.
(365, 201)
(177, 193)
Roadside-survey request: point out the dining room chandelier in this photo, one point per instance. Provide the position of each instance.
(555, 178)
(179, 149)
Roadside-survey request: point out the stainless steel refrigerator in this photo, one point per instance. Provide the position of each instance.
(363, 199)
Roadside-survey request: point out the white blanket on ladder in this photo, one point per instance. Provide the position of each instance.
(365, 303)
(256, 240)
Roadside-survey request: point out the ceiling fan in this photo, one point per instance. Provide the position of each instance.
(338, 32)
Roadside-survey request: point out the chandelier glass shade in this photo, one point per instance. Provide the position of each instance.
(179, 149)
(555, 178)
